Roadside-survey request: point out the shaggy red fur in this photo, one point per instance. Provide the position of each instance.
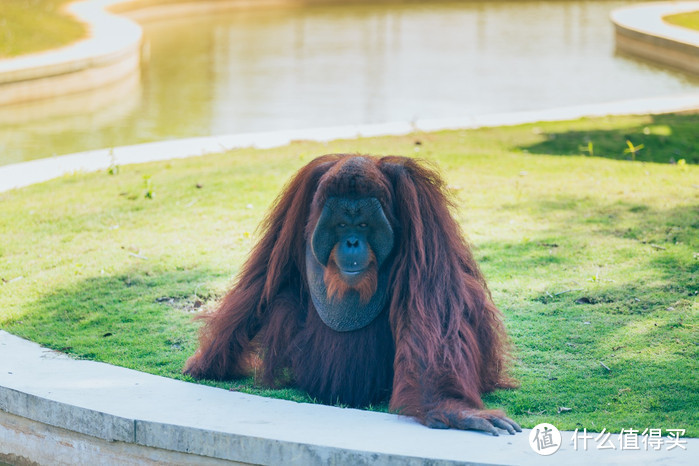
(438, 344)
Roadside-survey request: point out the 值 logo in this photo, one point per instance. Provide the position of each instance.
(545, 439)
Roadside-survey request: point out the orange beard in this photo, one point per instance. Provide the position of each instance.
(337, 286)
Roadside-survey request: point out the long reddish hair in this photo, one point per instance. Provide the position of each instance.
(436, 347)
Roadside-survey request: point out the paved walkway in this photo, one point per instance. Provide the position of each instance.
(109, 54)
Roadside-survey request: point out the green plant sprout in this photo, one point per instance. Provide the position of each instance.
(148, 184)
(113, 168)
(590, 148)
(632, 149)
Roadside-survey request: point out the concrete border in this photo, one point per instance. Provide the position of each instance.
(57, 410)
(110, 53)
(642, 32)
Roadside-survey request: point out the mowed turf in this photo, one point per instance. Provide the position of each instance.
(594, 259)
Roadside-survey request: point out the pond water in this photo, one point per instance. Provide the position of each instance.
(323, 66)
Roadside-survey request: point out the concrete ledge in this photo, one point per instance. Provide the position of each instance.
(57, 397)
(57, 410)
(32, 442)
(641, 31)
(110, 53)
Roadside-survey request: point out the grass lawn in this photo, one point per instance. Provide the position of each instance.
(688, 20)
(34, 25)
(594, 261)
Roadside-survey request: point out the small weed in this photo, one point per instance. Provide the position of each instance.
(113, 168)
(590, 148)
(633, 150)
(148, 185)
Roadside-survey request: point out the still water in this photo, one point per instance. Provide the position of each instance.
(322, 66)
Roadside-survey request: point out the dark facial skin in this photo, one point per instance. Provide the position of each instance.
(355, 226)
(358, 232)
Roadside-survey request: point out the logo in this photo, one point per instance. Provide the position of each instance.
(545, 439)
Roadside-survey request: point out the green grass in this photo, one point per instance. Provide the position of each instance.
(594, 261)
(688, 20)
(34, 25)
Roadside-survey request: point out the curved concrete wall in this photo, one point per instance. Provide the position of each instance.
(109, 54)
(641, 31)
(56, 410)
(60, 411)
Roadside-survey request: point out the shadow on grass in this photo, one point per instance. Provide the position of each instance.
(615, 356)
(665, 139)
(617, 349)
(136, 319)
(610, 354)
(579, 230)
(139, 319)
